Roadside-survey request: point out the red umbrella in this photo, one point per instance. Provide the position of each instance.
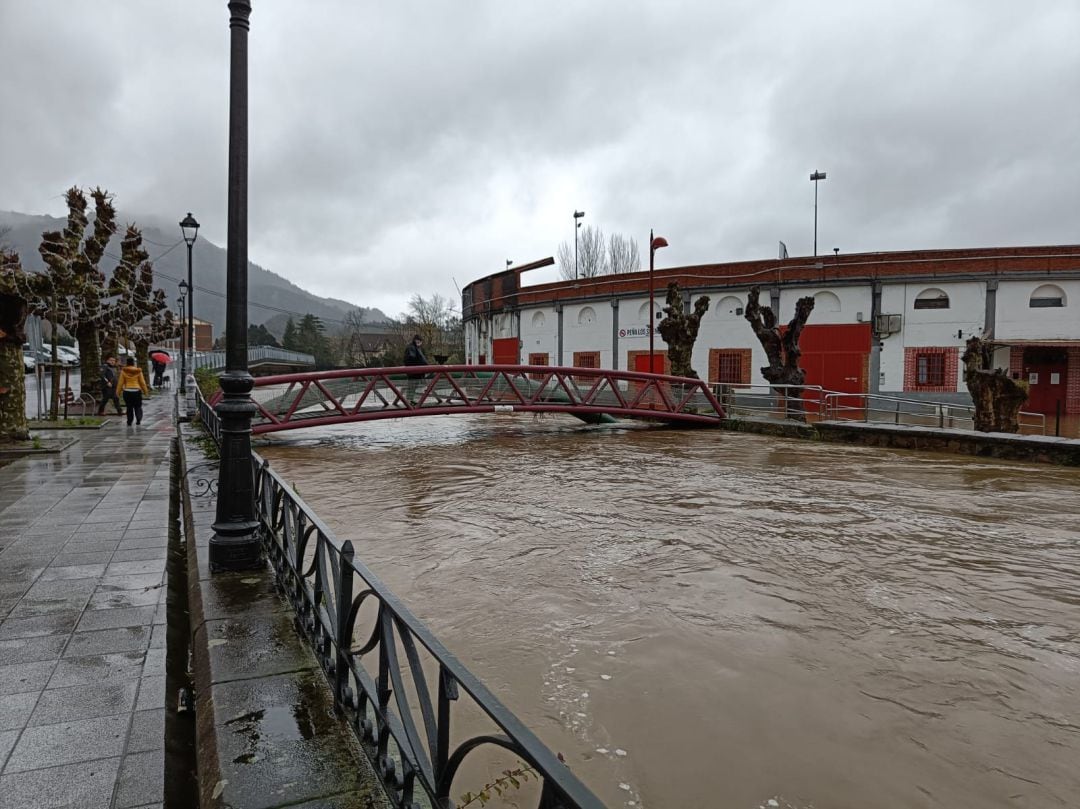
(160, 356)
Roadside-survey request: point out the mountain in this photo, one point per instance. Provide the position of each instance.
(269, 295)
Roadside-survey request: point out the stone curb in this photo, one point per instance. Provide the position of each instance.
(266, 732)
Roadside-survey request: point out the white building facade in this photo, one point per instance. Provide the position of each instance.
(882, 322)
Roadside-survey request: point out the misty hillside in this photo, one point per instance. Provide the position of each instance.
(268, 293)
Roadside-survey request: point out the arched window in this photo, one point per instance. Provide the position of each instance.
(538, 320)
(587, 316)
(1047, 296)
(932, 298)
(643, 312)
(827, 302)
(729, 307)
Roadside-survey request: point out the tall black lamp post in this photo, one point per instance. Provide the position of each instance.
(577, 224)
(655, 243)
(816, 177)
(183, 335)
(235, 543)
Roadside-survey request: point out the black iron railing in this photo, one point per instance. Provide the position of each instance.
(403, 693)
(208, 416)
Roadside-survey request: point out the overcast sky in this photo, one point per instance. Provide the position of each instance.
(398, 146)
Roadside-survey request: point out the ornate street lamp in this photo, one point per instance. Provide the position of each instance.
(190, 228)
(235, 543)
(655, 243)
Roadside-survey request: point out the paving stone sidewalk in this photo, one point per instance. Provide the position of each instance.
(83, 542)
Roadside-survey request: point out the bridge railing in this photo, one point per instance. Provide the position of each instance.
(332, 397)
(257, 354)
(417, 711)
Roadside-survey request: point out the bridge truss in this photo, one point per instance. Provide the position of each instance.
(294, 401)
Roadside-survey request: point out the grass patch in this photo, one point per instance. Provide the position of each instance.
(70, 423)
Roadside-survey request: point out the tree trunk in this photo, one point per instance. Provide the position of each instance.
(12, 393)
(108, 345)
(997, 397)
(782, 349)
(680, 330)
(89, 359)
(142, 356)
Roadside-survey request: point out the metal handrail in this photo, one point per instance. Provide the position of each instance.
(944, 414)
(216, 359)
(404, 722)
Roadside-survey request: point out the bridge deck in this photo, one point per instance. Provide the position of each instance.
(333, 397)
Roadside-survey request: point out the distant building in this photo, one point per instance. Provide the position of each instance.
(204, 336)
(882, 322)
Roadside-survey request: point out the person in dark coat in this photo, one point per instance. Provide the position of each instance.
(107, 381)
(414, 355)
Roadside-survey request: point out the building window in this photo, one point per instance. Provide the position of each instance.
(930, 370)
(932, 299)
(586, 359)
(729, 366)
(537, 359)
(587, 316)
(1047, 296)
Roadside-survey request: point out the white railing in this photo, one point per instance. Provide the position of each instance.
(216, 359)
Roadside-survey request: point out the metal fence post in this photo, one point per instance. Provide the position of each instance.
(343, 641)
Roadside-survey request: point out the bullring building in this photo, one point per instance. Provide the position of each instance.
(889, 323)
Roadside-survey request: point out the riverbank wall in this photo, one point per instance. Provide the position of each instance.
(1005, 446)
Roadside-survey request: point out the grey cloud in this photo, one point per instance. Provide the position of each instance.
(393, 147)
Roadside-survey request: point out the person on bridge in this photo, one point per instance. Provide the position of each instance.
(133, 384)
(414, 355)
(107, 381)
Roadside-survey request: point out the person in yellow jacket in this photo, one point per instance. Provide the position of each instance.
(132, 385)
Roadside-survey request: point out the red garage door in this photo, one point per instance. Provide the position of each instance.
(836, 357)
(504, 351)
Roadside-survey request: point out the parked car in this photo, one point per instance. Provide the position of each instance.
(68, 355)
(65, 354)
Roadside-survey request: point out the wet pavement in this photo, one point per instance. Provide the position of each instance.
(83, 538)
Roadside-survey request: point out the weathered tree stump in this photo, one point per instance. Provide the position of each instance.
(680, 330)
(997, 397)
(782, 348)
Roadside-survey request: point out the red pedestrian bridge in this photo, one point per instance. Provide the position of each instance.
(595, 395)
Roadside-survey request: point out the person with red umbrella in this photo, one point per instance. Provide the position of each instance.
(159, 359)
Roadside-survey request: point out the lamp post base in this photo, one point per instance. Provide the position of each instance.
(235, 544)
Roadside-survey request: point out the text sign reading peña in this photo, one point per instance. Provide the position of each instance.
(637, 331)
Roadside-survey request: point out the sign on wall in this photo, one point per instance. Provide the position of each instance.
(635, 331)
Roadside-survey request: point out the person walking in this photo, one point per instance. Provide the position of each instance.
(414, 355)
(133, 385)
(107, 381)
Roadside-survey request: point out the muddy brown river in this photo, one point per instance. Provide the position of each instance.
(710, 619)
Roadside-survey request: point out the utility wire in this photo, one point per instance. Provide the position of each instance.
(215, 292)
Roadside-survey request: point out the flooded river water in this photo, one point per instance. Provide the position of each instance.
(710, 619)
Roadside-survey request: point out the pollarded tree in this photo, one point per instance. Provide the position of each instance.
(137, 310)
(996, 396)
(77, 285)
(680, 330)
(14, 285)
(781, 347)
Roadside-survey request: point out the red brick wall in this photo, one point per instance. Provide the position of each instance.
(952, 368)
